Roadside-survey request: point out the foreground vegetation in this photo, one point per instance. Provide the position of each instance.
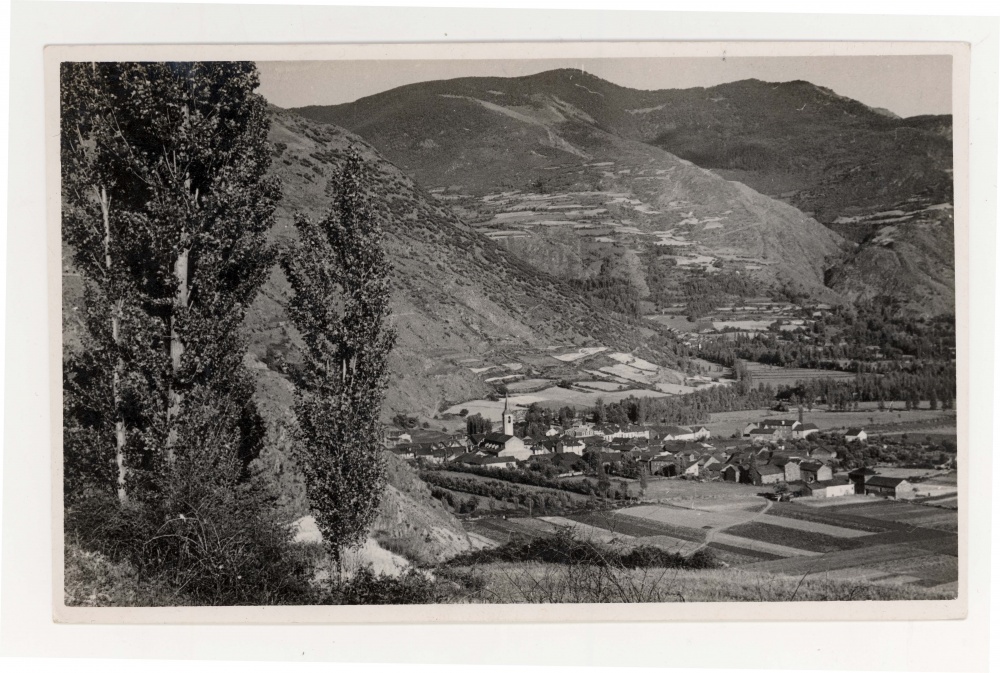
(559, 569)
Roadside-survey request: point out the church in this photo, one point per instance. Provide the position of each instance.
(505, 444)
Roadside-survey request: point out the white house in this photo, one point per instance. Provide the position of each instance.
(856, 435)
(804, 430)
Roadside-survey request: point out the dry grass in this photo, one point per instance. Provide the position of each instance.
(552, 583)
(92, 580)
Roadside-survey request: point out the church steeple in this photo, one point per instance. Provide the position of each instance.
(508, 418)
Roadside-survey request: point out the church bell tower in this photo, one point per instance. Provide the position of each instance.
(508, 419)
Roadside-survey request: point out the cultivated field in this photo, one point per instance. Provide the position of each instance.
(787, 376)
(876, 541)
(554, 397)
(724, 424)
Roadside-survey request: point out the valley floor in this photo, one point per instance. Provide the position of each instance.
(878, 549)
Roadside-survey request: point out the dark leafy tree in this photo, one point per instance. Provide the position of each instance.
(166, 206)
(340, 277)
(476, 424)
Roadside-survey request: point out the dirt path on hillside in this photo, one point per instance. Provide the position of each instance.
(710, 535)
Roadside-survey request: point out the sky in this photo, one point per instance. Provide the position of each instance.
(906, 85)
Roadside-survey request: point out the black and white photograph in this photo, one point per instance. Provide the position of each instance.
(470, 331)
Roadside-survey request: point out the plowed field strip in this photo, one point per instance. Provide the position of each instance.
(842, 559)
(690, 518)
(812, 526)
(637, 526)
(792, 538)
(503, 531)
(752, 555)
(758, 545)
(833, 519)
(588, 532)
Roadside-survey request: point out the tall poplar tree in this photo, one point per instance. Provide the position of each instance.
(340, 276)
(166, 205)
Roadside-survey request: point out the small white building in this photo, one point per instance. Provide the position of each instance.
(856, 435)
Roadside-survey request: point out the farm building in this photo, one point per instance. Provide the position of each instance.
(831, 488)
(570, 445)
(581, 431)
(395, 436)
(732, 473)
(763, 435)
(792, 471)
(675, 433)
(714, 470)
(781, 428)
(804, 430)
(706, 461)
(786, 423)
(892, 487)
(856, 435)
(612, 431)
(815, 471)
(823, 454)
(759, 475)
(664, 465)
(860, 477)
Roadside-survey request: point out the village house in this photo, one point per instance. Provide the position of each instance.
(732, 473)
(691, 470)
(679, 433)
(758, 435)
(571, 445)
(792, 470)
(856, 435)
(581, 431)
(815, 471)
(664, 465)
(611, 431)
(831, 488)
(563, 444)
(395, 436)
(782, 428)
(804, 430)
(706, 461)
(891, 487)
(760, 475)
(715, 469)
(538, 449)
(823, 454)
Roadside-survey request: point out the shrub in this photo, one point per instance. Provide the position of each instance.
(367, 588)
(209, 544)
(565, 548)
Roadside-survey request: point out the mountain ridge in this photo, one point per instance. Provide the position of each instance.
(556, 132)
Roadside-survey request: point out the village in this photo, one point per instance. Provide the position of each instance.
(768, 453)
